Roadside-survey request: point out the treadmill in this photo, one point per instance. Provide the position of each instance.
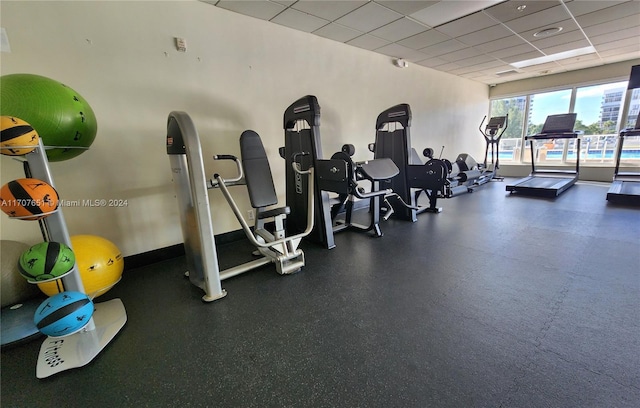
(550, 183)
(625, 188)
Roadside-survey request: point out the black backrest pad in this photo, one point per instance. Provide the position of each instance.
(257, 172)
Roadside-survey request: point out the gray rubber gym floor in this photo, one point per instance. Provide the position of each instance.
(499, 301)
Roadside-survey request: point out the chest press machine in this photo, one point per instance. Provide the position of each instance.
(272, 245)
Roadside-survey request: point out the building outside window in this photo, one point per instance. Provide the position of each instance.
(599, 109)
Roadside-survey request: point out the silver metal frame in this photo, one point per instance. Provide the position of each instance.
(197, 228)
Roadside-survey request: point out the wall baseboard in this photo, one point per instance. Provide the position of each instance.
(174, 251)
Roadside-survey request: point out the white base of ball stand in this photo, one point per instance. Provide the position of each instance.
(76, 350)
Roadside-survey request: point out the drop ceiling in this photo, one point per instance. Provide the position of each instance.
(474, 39)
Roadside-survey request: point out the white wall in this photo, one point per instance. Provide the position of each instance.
(238, 73)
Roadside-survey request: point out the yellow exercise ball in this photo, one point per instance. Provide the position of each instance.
(100, 264)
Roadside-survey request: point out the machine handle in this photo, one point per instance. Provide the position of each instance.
(225, 157)
(214, 182)
(296, 164)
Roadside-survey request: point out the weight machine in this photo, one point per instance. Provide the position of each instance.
(273, 246)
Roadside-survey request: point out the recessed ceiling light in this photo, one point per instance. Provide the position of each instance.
(547, 32)
(554, 57)
(521, 7)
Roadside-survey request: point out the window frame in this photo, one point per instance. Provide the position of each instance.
(623, 112)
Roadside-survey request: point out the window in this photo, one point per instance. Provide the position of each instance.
(598, 108)
(599, 120)
(511, 141)
(631, 149)
(540, 106)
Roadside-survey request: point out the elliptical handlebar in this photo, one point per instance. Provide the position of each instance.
(500, 123)
(482, 123)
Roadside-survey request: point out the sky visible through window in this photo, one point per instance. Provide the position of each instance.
(588, 102)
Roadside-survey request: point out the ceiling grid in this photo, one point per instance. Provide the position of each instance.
(490, 41)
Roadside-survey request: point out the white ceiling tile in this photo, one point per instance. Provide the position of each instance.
(328, 10)
(399, 51)
(580, 7)
(285, 2)
(622, 57)
(508, 10)
(580, 59)
(299, 20)
(469, 40)
(511, 51)
(399, 29)
(486, 35)
(444, 47)
(424, 39)
(368, 42)
(462, 54)
(615, 25)
(466, 25)
(479, 64)
(540, 19)
(446, 11)
(471, 75)
(563, 38)
(470, 66)
(562, 47)
(448, 67)
(547, 66)
(567, 26)
(522, 57)
(262, 9)
(632, 41)
(611, 13)
(407, 7)
(432, 62)
(618, 35)
(369, 17)
(501, 44)
(336, 32)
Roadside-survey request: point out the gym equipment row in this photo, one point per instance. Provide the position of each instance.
(396, 175)
(549, 183)
(437, 178)
(270, 239)
(339, 175)
(625, 188)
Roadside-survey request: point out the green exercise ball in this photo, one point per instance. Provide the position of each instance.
(58, 113)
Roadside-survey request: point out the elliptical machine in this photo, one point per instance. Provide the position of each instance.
(492, 133)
